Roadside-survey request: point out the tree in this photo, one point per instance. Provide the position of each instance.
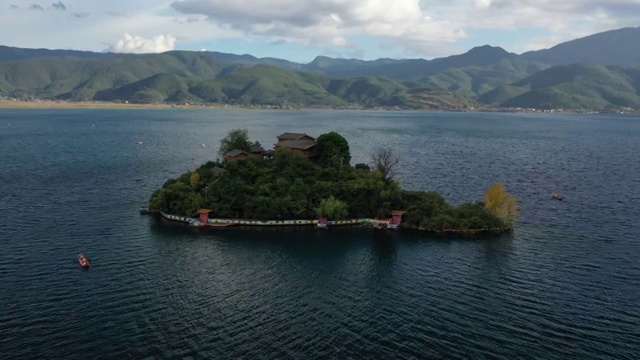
(385, 161)
(333, 149)
(194, 179)
(501, 203)
(332, 208)
(236, 139)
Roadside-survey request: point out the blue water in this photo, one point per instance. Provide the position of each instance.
(564, 285)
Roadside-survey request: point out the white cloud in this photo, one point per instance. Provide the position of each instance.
(422, 28)
(319, 23)
(139, 45)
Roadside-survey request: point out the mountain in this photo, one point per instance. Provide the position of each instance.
(615, 47)
(576, 86)
(409, 69)
(472, 81)
(8, 53)
(195, 77)
(595, 72)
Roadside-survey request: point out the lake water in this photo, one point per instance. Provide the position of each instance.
(564, 285)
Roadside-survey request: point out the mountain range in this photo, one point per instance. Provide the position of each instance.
(597, 72)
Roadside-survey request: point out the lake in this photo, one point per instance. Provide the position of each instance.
(564, 285)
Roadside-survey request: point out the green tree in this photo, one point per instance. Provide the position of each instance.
(332, 209)
(333, 149)
(235, 139)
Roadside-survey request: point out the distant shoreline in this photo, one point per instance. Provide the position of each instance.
(53, 104)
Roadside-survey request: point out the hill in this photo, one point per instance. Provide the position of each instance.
(193, 77)
(615, 47)
(577, 86)
(550, 78)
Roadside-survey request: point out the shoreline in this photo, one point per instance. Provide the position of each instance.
(52, 104)
(379, 224)
(57, 104)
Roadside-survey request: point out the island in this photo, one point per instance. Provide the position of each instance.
(305, 180)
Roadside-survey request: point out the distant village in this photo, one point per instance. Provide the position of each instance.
(35, 100)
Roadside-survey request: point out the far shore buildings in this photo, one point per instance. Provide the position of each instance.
(298, 143)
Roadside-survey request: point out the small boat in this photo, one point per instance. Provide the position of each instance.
(145, 210)
(139, 142)
(557, 197)
(204, 146)
(83, 261)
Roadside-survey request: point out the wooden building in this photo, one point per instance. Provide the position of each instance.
(235, 155)
(295, 136)
(299, 143)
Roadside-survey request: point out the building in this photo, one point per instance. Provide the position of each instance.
(298, 143)
(235, 155)
(295, 136)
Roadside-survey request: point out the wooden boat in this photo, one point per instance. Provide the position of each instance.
(83, 261)
(557, 197)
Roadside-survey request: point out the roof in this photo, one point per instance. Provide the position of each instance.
(203, 211)
(235, 152)
(297, 144)
(293, 136)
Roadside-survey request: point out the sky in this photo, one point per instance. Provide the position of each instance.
(300, 30)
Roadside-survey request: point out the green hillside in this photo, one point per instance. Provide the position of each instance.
(484, 75)
(614, 47)
(190, 77)
(472, 81)
(578, 86)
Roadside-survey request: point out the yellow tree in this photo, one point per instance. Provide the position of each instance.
(501, 203)
(194, 179)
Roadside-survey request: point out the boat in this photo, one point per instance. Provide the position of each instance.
(204, 146)
(83, 261)
(145, 210)
(139, 142)
(557, 197)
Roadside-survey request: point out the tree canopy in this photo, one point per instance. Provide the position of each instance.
(288, 187)
(334, 150)
(236, 139)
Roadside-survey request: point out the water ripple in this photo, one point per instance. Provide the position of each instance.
(564, 285)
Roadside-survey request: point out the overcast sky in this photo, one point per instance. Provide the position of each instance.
(299, 30)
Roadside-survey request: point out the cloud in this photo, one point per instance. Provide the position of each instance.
(377, 28)
(59, 6)
(419, 27)
(117, 14)
(188, 20)
(321, 23)
(139, 45)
